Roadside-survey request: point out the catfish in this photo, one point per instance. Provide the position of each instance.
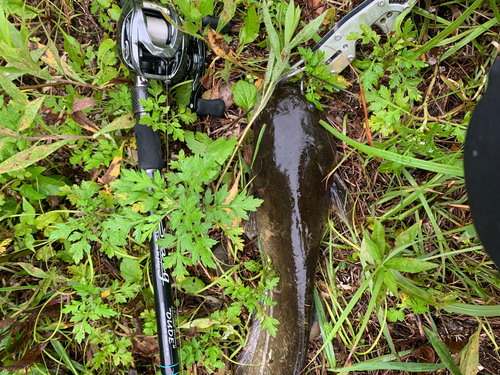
(291, 174)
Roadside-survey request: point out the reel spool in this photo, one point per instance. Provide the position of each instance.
(148, 45)
(159, 30)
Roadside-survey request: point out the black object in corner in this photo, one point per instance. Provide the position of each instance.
(482, 166)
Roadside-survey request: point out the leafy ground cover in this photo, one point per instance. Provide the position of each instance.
(403, 286)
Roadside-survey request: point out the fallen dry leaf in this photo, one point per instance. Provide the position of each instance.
(206, 79)
(232, 194)
(318, 7)
(79, 104)
(424, 354)
(117, 81)
(81, 119)
(221, 92)
(454, 346)
(233, 190)
(221, 48)
(4, 323)
(112, 172)
(213, 93)
(4, 244)
(248, 154)
(219, 45)
(147, 347)
(52, 118)
(226, 94)
(30, 358)
(259, 82)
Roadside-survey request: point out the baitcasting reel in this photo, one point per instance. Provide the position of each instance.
(151, 47)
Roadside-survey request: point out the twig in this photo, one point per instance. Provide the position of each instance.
(56, 137)
(60, 82)
(233, 121)
(365, 108)
(427, 95)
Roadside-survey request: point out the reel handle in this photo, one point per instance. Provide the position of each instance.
(148, 141)
(214, 21)
(214, 107)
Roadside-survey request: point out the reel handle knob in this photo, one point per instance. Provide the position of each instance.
(214, 21)
(214, 107)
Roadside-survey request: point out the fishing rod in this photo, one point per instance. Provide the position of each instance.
(152, 48)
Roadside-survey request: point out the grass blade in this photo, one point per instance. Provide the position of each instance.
(67, 361)
(347, 311)
(425, 13)
(494, 7)
(473, 310)
(29, 156)
(329, 352)
(398, 366)
(478, 30)
(431, 166)
(452, 27)
(442, 351)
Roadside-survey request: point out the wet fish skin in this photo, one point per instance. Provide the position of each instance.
(294, 157)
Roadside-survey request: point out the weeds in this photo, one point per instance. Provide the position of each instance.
(75, 294)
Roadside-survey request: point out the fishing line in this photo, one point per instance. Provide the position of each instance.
(158, 30)
(167, 104)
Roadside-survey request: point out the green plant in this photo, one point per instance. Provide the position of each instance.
(319, 77)
(391, 103)
(250, 30)
(194, 13)
(90, 314)
(79, 232)
(393, 106)
(281, 41)
(106, 11)
(94, 155)
(375, 254)
(160, 117)
(149, 317)
(193, 210)
(88, 310)
(110, 351)
(221, 328)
